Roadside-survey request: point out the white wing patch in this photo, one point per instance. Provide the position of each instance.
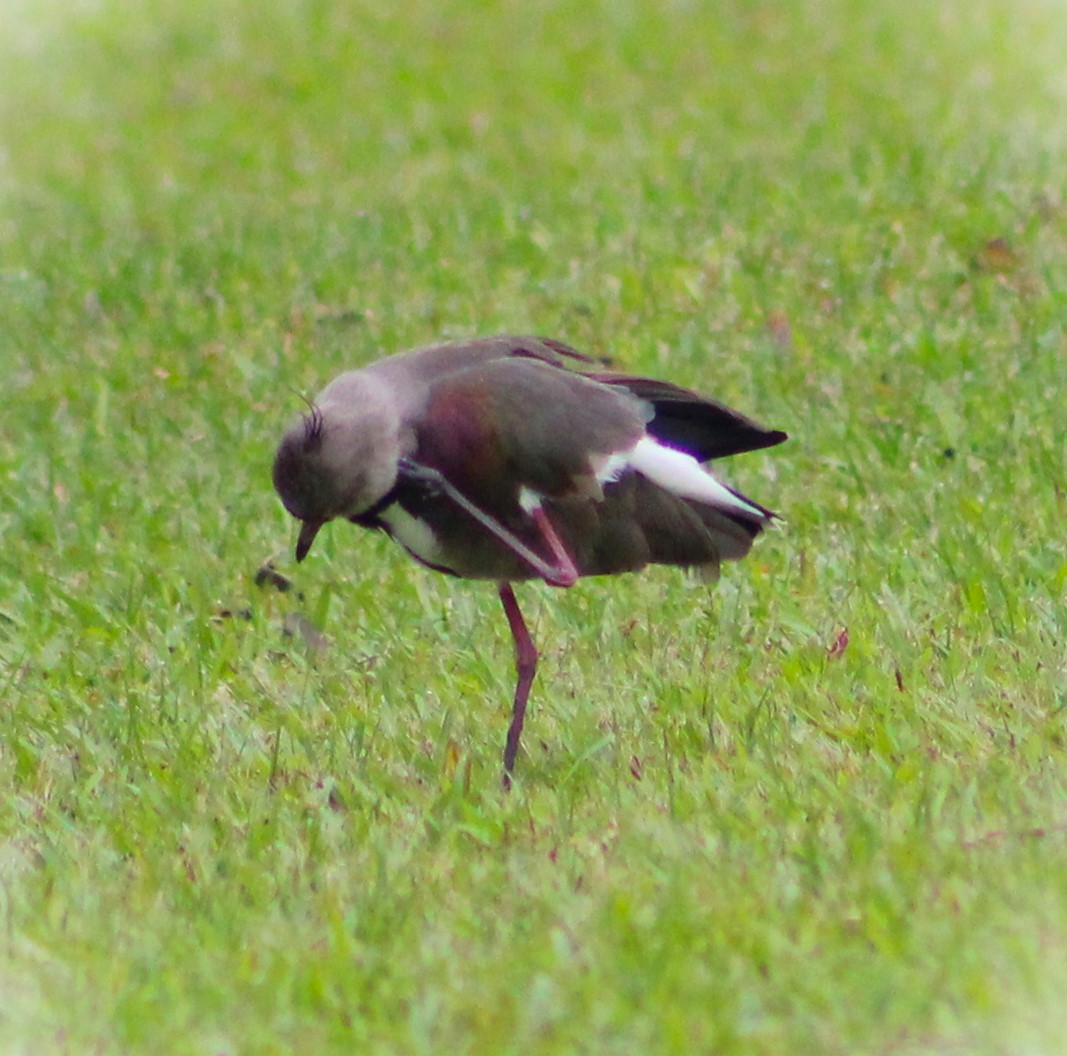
(612, 467)
(676, 472)
(413, 535)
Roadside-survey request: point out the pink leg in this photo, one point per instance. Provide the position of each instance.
(526, 667)
(563, 573)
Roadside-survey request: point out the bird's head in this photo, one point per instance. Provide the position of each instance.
(338, 459)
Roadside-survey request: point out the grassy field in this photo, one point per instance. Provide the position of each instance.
(729, 833)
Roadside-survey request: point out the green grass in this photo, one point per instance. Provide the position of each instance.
(846, 219)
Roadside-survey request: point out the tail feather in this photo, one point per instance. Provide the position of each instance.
(682, 532)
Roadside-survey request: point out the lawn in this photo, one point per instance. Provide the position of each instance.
(819, 807)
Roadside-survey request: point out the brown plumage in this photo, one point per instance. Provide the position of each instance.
(513, 458)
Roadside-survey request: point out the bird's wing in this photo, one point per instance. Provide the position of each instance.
(497, 440)
(683, 419)
(510, 429)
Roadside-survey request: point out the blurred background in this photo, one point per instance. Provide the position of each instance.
(818, 810)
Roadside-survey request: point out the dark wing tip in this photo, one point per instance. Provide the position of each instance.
(773, 437)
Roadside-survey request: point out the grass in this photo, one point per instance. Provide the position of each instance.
(728, 836)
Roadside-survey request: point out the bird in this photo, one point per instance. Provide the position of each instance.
(514, 458)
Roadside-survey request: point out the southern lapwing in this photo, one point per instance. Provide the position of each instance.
(510, 458)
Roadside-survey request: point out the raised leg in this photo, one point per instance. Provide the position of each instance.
(526, 668)
(563, 573)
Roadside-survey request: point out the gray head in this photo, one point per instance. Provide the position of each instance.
(340, 458)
